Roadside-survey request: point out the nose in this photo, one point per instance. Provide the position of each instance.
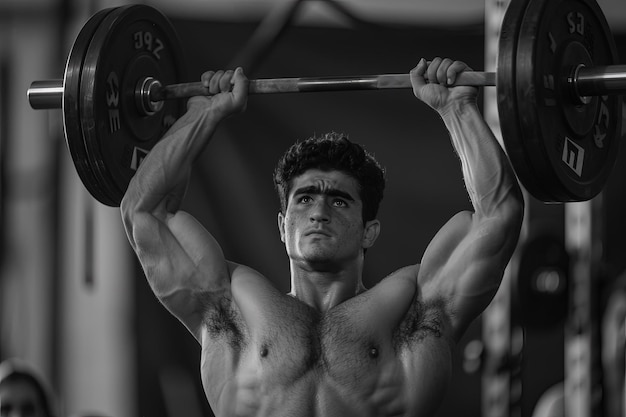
(319, 213)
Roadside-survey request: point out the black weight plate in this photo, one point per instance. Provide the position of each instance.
(131, 43)
(570, 147)
(506, 92)
(71, 98)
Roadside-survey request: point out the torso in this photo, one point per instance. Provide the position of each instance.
(279, 357)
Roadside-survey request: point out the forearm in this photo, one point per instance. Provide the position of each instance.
(160, 182)
(489, 179)
(159, 185)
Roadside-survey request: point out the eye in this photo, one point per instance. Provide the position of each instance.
(304, 199)
(339, 203)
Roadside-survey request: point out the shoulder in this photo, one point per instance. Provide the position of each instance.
(231, 315)
(385, 305)
(405, 276)
(395, 287)
(424, 313)
(245, 279)
(257, 299)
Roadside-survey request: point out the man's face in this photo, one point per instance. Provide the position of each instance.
(19, 399)
(323, 224)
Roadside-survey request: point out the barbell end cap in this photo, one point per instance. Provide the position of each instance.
(45, 94)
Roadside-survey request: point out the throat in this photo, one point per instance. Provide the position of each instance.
(322, 291)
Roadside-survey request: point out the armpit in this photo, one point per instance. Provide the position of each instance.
(222, 320)
(424, 319)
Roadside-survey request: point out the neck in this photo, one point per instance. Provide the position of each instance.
(323, 290)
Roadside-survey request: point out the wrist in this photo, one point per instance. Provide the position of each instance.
(459, 108)
(204, 116)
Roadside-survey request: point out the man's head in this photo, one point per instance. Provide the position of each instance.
(332, 152)
(22, 393)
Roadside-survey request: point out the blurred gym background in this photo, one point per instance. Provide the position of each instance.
(73, 299)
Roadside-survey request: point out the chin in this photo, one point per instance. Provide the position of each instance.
(313, 251)
(317, 257)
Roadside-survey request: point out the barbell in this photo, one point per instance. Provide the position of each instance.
(557, 82)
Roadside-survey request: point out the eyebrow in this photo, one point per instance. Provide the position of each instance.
(315, 190)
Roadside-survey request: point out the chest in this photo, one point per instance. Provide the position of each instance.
(295, 358)
(332, 346)
(291, 341)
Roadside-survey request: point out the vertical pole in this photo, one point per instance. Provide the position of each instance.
(501, 390)
(28, 269)
(583, 239)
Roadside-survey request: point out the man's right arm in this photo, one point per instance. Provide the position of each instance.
(183, 263)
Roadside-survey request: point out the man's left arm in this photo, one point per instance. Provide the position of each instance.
(465, 261)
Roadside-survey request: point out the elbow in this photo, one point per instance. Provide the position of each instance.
(513, 207)
(515, 210)
(128, 212)
(133, 216)
(509, 222)
(129, 207)
(508, 212)
(503, 225)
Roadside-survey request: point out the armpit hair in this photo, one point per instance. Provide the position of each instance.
(421, 321)
(222, 320)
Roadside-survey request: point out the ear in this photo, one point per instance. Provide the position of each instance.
(281, 226)
(370, 234)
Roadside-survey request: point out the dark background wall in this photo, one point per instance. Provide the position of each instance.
(232, 192)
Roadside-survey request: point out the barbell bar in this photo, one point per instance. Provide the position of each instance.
(48, 94)
(558, 87)
(584, 82)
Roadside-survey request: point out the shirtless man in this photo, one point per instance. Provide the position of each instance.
(330, 347)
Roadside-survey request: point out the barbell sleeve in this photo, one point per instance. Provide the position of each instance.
(600, 80)
(45, 94)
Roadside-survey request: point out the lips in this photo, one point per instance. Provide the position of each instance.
(320, 232)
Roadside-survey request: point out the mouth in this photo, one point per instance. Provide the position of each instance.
(317, 232)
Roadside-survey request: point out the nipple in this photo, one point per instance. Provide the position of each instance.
(373, 353)
(264, 351)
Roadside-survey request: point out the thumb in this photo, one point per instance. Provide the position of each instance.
(240, 83)
(417, 76)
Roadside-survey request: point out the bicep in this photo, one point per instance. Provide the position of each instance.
(183, 263)
(202, 252)
(464, 265)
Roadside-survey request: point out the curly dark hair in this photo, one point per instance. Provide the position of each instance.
(333, 151)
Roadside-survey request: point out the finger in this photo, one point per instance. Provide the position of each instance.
(214, 86)
(206, 77)
(442, 72)
(225, 83)
(240, 84)
(239, 81)
(417, 74)
(455, 69)
(239, 75)
(431, 72)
